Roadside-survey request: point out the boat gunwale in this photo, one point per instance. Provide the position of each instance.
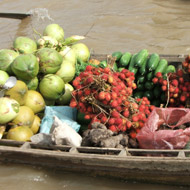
(179, 154)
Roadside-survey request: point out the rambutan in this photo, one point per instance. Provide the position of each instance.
(115, 114)
(159, 74)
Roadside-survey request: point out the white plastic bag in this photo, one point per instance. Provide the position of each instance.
(63, 134)
(64, 113)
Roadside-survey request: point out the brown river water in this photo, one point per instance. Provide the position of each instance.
(160, 26)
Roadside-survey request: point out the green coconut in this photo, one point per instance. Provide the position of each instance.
(6, 58)
(51, 87)
(25, 67)
(49, 102)
(3, 77)
(66, 71)
(24, 45)
(66, 97)
(81, 51)
(47, 41)
(49, 59)
(68, 54)
(55, 31)
(32, 84)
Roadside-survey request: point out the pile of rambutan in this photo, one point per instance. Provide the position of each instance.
(176, 88)
(105, 96)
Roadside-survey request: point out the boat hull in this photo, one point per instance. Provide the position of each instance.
(162, 167)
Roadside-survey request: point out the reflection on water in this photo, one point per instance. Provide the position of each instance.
(160, 26)
(33, 26)
(30, 178)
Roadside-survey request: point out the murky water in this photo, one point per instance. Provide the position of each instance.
(30, 178)
(160, 26)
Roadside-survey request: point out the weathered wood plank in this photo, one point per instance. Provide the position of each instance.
(96, 150)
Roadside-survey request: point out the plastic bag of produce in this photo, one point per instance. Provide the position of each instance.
(64, 113)
(166, 128)
(63, 134)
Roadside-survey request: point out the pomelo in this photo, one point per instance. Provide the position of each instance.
(18, 92)
(35, 101)
(25, 116)
(20, 133)
(36, 124)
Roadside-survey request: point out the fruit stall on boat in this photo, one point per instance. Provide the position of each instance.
(122, 115)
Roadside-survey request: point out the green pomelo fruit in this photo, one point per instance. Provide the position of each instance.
(35, 101)
(18, 92)
(20, 133)
(36, 124)
(25, 116)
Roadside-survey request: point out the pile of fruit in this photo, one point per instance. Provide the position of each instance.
(186, 65)
(145, 67)
(119, 92)
(41, 70)
(105, 96)
(153, 77)
(176, 89)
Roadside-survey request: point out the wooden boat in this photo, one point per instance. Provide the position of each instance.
(143, 165)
